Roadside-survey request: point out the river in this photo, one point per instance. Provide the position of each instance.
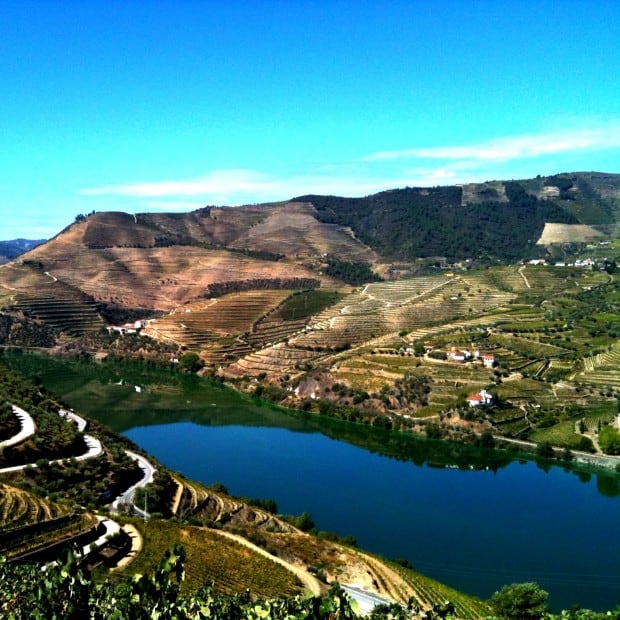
(473, 519)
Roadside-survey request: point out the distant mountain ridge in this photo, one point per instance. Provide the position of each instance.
(15, 247)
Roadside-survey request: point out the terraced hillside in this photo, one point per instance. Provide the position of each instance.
(163, 278)
(372, 313)
(201, 323)
(74, 314)
(602, 369)
(158, 262)
(212, 558)
(29, 522)
(19, 508)
(381, 354)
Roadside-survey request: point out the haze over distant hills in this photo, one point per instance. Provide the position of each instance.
(15, 247)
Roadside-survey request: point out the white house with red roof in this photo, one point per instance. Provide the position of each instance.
(480, 399)
(488, 360)
(458, 356)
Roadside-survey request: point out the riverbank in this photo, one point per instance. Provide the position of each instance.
(419, 429)
(398, 494)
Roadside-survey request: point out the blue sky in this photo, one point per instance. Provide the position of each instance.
(139, 105)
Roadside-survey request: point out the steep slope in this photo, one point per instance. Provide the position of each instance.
(114, 258)
(404, 224)
(498, 219)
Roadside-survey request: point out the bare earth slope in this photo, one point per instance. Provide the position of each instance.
(567, 233)
(162, 261)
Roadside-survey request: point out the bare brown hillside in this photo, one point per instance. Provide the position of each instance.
(291, 229)
(162, 262)
(155, 278)
(294, 230)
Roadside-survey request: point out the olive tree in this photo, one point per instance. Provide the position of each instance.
(520, 601)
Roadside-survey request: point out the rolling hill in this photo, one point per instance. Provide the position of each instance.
(113, 266)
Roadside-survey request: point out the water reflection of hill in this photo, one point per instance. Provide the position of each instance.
(124, 394)
(107, 392)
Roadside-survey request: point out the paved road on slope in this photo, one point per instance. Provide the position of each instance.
(28, 428)
(128, 496)
(74, 417)
(95, 448)
(366, 601)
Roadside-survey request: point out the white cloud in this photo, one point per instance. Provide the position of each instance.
(515, 147)
(504, 157)
(217, 182)
(240, 187)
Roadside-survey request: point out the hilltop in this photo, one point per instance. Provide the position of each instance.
(156, 262)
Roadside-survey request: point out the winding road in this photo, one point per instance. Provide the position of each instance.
(28, 428)
(94, 449)
(128, 496)
(365, 600)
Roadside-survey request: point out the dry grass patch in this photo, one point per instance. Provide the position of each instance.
(567, 233)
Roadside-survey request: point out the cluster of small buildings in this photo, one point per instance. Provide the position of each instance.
(587, 262)
(127, 328)
(584, 263)
(457, 355)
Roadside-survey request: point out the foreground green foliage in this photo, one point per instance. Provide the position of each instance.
(65, 591)
(520, 601)
(68, 592)
(609, 438)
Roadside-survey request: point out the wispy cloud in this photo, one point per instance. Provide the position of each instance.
(514, 147)
(242, 186)
(502, 157)
(217, 182)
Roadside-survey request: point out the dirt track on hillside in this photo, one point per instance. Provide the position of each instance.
(309, 581)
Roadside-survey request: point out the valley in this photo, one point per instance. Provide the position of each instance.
(442, 337)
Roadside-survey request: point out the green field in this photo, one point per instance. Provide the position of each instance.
(307, 303)
(212, 558)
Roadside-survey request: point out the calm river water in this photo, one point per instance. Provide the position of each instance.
(472, 519)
